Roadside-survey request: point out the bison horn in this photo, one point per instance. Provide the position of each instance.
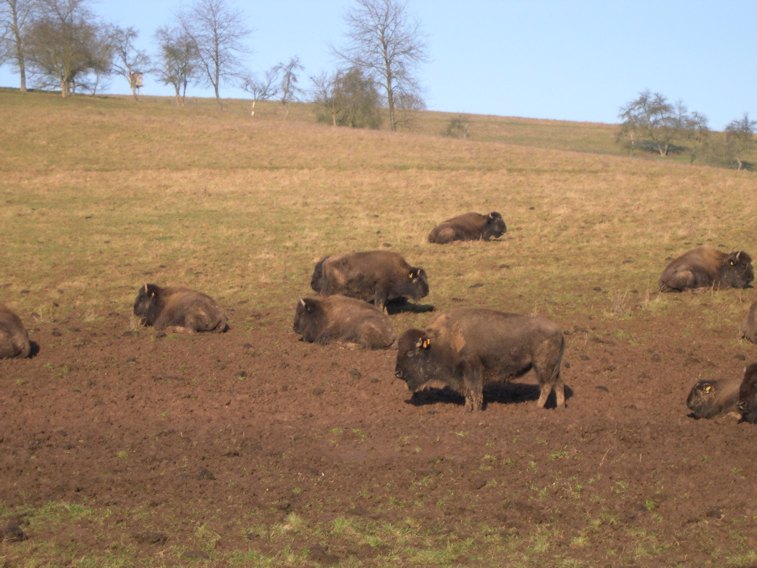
(145, 287)
(302, 302)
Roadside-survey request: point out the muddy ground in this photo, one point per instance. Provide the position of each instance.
(253, 441)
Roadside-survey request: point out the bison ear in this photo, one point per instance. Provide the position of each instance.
(423, 343)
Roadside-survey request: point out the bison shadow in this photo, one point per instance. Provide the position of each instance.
(34, 349)
(400, 305)
(503, 393)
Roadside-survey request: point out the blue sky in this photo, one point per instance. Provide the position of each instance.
(557, 59)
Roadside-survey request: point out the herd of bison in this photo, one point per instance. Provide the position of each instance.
(465, 348)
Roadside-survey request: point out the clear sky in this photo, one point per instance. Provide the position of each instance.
(558, 59)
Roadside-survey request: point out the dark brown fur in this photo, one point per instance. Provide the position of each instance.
(748, 395)
(707, 267)
(374, 276)
(711, 398)
(749, 329)
(178, 310)
(468, 227)
(339, 318)
(469, 347)
(14, 340)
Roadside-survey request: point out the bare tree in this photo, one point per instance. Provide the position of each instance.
(65, 44)
(15, 17)
(288, 88)
(178, 60)
(261, 89)
(739, 139)
(387, 46)
(218, 34)
(128, 61)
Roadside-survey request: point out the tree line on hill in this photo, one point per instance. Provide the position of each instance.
(651, 123)
(62, 44)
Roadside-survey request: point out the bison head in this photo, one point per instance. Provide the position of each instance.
(307, 317)
(146, 306)
(704, 399)
(737, 270)
(495, 225)
(417, 283)
(413, 359)
(748, 395)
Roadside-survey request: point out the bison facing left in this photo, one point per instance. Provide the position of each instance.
(178, 310)
(470, 347)
(339, 318)
(14, 341)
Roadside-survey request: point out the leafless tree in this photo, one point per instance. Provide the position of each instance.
(261, 89)
(218, 33)
(288, 89)
(128, 61)
(739, 136)
(15, 18)
(65, 44)
(178, 60)
(386, 44)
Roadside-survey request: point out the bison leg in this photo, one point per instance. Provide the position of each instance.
(473, 388)
(678, 281)
(178, 329)
(547, 367)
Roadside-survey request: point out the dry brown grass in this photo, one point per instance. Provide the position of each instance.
(100, 195)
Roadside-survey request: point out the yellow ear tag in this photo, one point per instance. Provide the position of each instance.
(707, 389)
(409, 274)
(426, 343)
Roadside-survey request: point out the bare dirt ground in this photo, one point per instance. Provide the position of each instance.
(255, 441)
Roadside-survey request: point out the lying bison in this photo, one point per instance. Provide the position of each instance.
(178, 310)
(748, 395)
(374, 276)
(705, 266)
(339, 318)
(468, 227)
(14, 341)
(711, 398)
(469, 347)
(749, 329)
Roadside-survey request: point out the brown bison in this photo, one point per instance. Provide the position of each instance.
(711, 398)
(374, 276)
(178, 310)
(748, 395)
(468, 227)
(14, 341)
(339, 318)
(470, 347)
(705, 266)
(749, 329)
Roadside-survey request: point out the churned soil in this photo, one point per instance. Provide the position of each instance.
(237, 431)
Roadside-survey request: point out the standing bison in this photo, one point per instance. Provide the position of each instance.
(748, 395)
(374, 276)
(469, 347)
(749, 329)
(14, 341)
(178, 310)
(339, 318)
(468, 227)
(705, 266)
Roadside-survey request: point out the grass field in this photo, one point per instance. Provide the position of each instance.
(101, 194)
